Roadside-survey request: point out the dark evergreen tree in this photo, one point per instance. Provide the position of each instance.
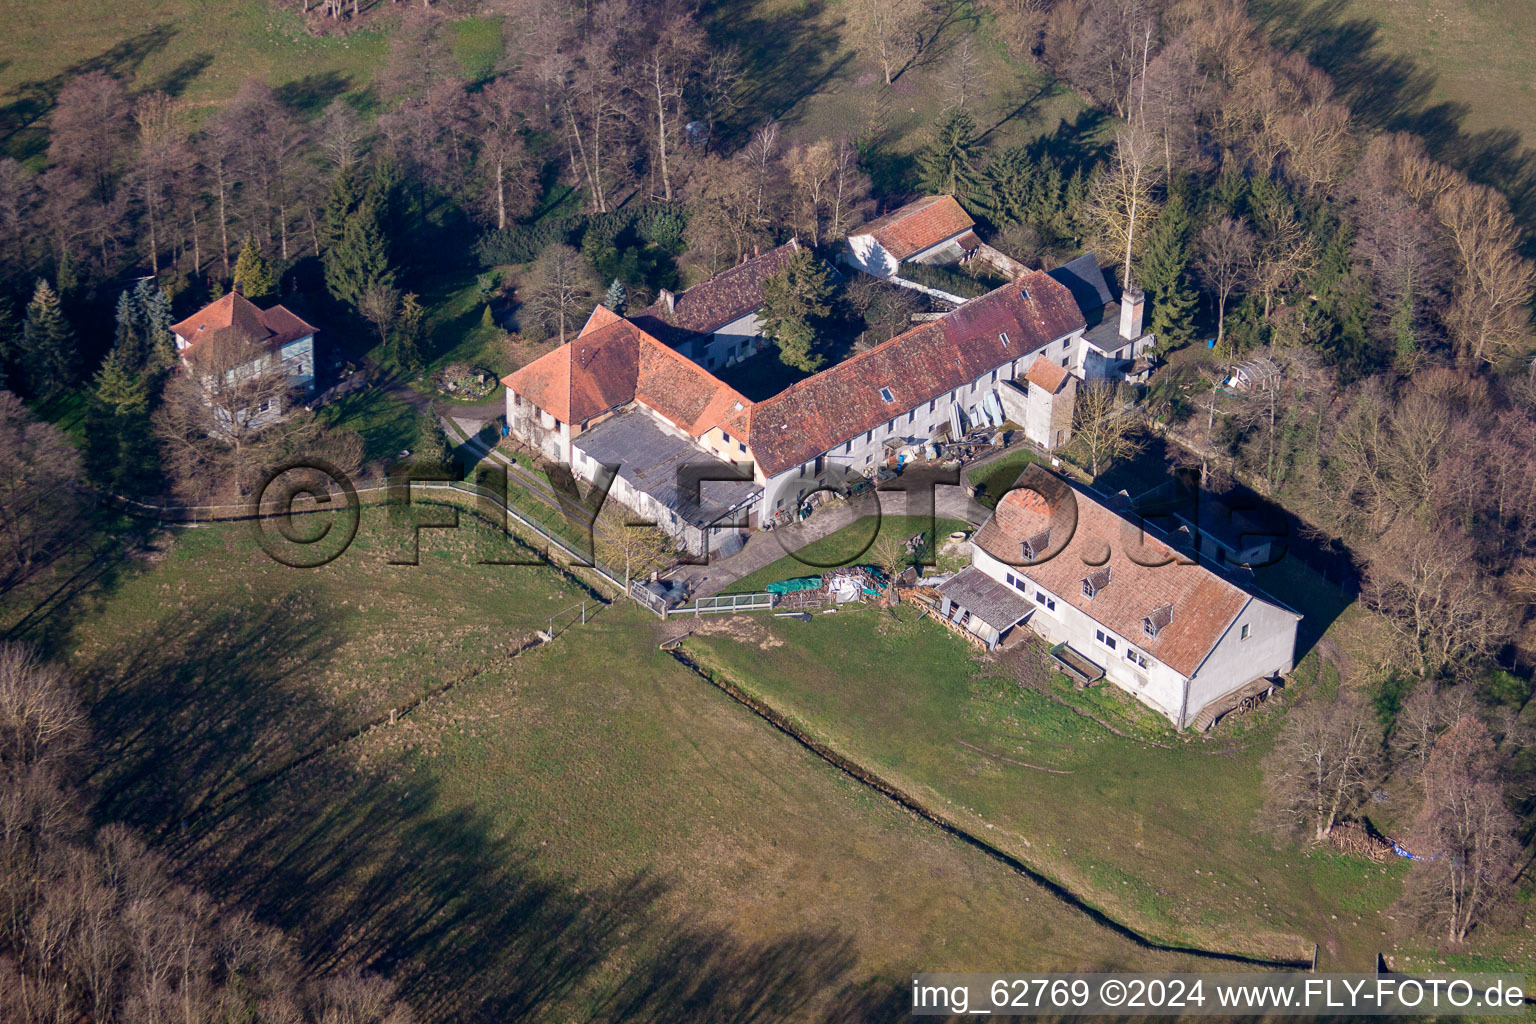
(345, 194)
(407, 332)
(1010, 188)
(794, 302)
(947, 165)
(359, 259)
(1164, 274)
(431, 445)
(120, 453)
(48, 344)
(144, 338)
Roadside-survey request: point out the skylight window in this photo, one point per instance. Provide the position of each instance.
(885, 393)
(1003, 337)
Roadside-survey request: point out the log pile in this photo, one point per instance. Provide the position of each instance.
(1355, 839)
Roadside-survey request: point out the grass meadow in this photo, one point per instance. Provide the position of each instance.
(1160, 830)
(585, 830)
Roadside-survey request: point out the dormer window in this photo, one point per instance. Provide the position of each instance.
(885, 393)
(1095, 582)
(1035, 546)
(1155, 623)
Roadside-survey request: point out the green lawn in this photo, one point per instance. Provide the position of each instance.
(994, 479)
(1162, 832)
(587, 831)
(848, 546)
(386, 422)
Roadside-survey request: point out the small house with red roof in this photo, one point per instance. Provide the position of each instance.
(278, 338)
(933, 229)
(1120, 600)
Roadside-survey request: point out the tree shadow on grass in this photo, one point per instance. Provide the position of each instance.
(194, 710)
(21, 136)
(367, 867)
(310, 95)
(44, 609)
(1391, 92)
(788, 57)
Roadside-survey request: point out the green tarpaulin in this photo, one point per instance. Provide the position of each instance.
(790, 586)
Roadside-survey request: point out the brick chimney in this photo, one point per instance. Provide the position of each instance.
(1133, 305)
(669, 300)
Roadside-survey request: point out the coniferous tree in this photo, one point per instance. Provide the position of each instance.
(1009, 188)
(407, 332)
(48, 344)
(120, 454)
(1165, 274)
(344, 195)
(431, 445)
(359, 260)
(144, 338)
(947, 165)
(253, 273)
(794, 301)
(616, 299)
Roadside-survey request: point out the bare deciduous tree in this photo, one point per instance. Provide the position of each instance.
(1423, 581)
(560, 290)
(893, 32)
(1465, 832)
(1225, 262)
(1489, 314)
(38, 506)
(340, 135)
(1323, 764)
(1122, 196)
(1104, 425)
(380, 305)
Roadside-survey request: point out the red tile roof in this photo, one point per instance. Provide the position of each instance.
(1203, 603)
(821, 412)
(710, 305)
(613, 363)
(920, 224)
(1047, 373)
(234, 312)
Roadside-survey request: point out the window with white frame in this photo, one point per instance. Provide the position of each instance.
(1048, 603)
(1104, 638)
(1003, 337)
(1135, 657)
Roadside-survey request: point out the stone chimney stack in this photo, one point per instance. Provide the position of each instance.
(669, 300)
(1133, 305)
